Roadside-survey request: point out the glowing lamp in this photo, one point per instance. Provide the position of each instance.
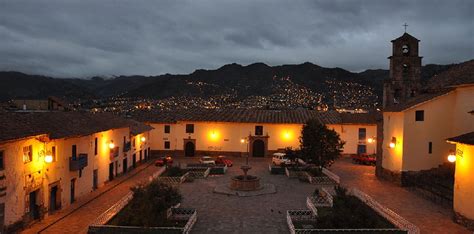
(287, 135)
(48, 158)
(452, 158)
(392, 143)
(213, 135)
(242, 141)
(111, 145)
(371, 140)
(143, 139)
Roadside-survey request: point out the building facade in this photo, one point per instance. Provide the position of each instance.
(256, 132)
(463, 156)
(46, 166)
(415, 133)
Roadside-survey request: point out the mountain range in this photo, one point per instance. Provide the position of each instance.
(243, 81)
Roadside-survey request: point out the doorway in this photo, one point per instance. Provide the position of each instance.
(134, 160)
(258, 148)
(54, 198)
(189, 149)
(34, 208)
(95, 179)
(73, 191)
(125, 165)
(111, 171)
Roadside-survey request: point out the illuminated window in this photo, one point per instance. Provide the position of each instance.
(167, 144)
(27, 154)
(419, 115)
(258, 130)
(167, 129)
(189, 128)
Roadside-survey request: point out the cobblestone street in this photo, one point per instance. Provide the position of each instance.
(428, 216)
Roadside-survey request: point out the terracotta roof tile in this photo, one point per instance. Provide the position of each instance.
(252, 116)
(467, 138)
(57, 125)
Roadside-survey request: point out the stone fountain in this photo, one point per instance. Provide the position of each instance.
(245, 182)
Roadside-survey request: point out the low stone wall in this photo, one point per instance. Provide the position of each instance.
(469, 223)
(394, 177)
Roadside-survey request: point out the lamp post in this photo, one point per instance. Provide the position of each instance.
(245, 140)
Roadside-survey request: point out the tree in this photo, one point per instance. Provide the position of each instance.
(149, 205)
(318, 144)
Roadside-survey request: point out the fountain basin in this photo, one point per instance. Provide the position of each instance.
(245, 183)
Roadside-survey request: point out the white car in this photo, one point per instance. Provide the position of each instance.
(280, 158)
(207, 160)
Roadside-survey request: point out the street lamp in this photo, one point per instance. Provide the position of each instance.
(371, 140)
(245, 140)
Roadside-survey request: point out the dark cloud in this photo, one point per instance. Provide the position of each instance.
(108, 37)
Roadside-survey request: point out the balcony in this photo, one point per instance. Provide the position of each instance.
(127, 146)
(78, 163)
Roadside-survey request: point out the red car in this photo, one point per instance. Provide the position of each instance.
(364, 159)
(164, 160)
(223, 160)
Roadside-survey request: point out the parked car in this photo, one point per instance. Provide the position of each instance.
(280, 159)
(221, 159)
(364, 159)
(207, 160)
(164, 160)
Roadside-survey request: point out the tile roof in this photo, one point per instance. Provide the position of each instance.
(418, 100)
(252, 116)
(467, 138)
(16, 125)
(138, 127)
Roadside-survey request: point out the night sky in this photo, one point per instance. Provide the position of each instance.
(114, 37)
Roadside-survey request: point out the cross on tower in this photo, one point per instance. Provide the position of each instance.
(405, 25)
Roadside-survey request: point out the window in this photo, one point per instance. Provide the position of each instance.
(2, 163)
(80, 173)
(167, 144)
(74, 152)
(167, 128)
(53, 153)
(419, 115)
(258, 130)
(430, 147)
(133, 142)
(362, 134)
(95, 146)
(27, 153)
(189, 128)
(361, 149)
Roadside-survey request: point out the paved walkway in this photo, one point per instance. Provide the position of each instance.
(77, 217)
(220, 213)
(428, 216)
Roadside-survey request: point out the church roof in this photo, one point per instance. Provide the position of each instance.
(405, 37)
(254, 116)
(467, 138)
(420, 99)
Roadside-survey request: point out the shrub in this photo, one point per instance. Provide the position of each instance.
(316, 172)
(149, 205)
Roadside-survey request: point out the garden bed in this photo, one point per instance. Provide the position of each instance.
(276, 170)
(151, 208)
(220, 169)
(346, 212)
(174, 176)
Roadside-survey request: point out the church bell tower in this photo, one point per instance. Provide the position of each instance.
(405, 71)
